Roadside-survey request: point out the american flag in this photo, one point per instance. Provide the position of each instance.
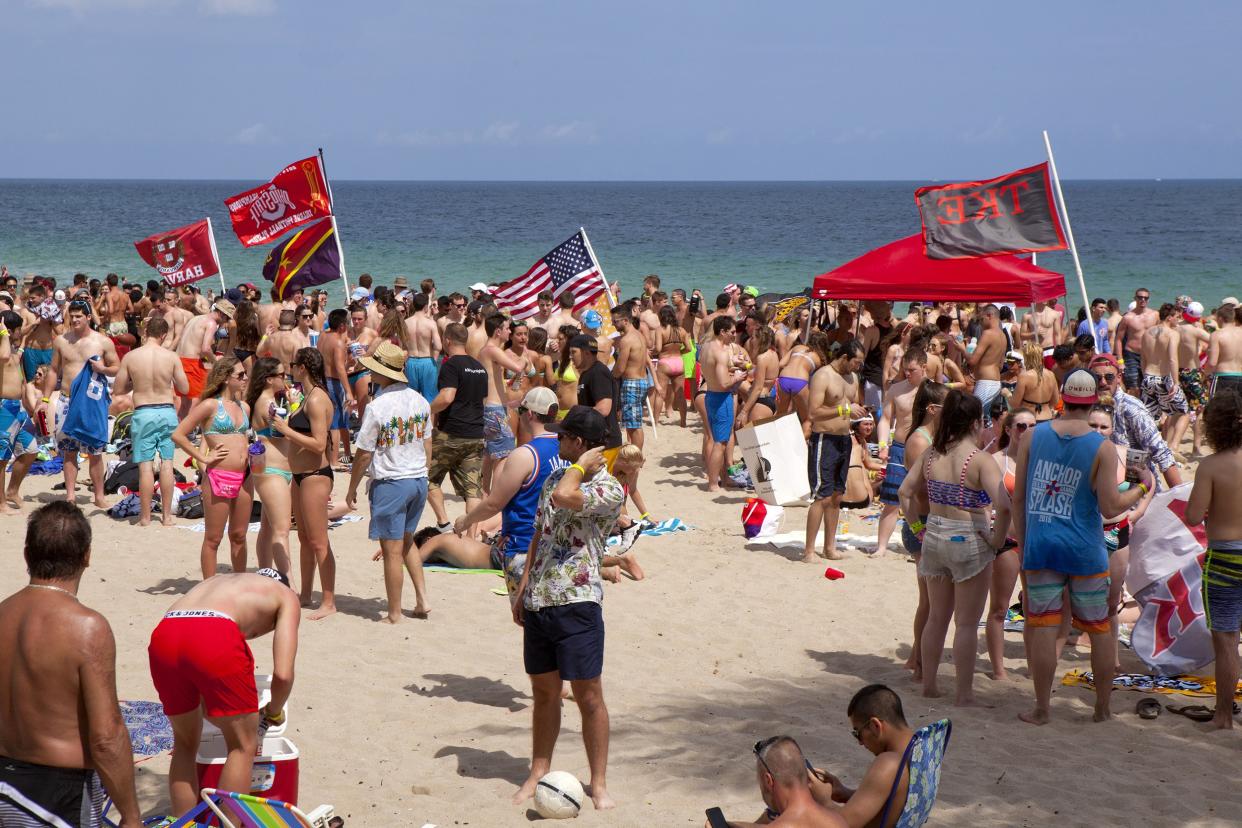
(568, 267)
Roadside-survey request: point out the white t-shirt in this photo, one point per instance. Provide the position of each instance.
(393, 429)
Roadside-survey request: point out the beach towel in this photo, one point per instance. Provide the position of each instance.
(1187, 685)
(86, 419)
(664, 527)
(53, 465)
(150, 732)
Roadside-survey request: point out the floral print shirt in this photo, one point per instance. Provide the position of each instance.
(569, 545)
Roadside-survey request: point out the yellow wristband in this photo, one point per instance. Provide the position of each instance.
(45, 399)
(1143, 488)
(581, 470)
(4, 331)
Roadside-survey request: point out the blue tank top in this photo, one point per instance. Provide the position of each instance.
(1064, 528)
(518, 517)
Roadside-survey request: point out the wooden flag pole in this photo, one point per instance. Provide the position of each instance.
(1069, 235)
(612, 303)
(336, 231)
(211, 234)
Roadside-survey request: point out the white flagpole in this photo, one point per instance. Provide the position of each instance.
(336, 232)
(211, 234)
(612, 303)
(1069, 235)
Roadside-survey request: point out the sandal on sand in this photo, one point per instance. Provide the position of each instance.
(1194, 712)
(1147, 708)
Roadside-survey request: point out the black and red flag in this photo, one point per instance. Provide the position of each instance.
(1014, 213)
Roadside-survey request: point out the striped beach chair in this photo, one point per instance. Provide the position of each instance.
(252, 811)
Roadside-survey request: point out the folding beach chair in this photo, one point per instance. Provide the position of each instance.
(923, 757)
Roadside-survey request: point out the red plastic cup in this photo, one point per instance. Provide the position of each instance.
(833, 574)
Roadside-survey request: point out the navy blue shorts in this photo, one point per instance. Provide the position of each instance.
(567, 639)
(827, 463)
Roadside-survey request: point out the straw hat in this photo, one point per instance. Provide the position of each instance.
(388, 361)
(225, 307)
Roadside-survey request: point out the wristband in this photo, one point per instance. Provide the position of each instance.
(4, 331)
(917, 526)
(1142, 488)
(581, 470)
(45, 399)
(644, 515)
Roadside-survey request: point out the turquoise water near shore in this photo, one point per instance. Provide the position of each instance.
(1173, 237)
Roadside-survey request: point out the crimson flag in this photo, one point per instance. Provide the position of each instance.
(181, 256)
(1014, 213)
(296, 196)
(307, 258)
(567, 267)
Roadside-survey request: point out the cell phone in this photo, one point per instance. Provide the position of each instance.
(694, 304)
(715, 818)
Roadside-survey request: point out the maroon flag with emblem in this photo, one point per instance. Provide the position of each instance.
(181, 256)
(1014, 213)
(297, 195)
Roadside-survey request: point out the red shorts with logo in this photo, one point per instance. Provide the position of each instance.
(203, 659)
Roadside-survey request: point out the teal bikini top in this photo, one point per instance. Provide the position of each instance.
(222, 422)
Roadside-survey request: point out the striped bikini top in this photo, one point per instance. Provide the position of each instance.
(957, 494)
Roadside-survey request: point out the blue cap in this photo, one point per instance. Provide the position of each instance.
(359, 294)
(592, 320)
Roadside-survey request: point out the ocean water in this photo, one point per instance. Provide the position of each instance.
(1170, 236)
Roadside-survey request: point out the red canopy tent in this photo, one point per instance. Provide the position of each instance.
(900, 271)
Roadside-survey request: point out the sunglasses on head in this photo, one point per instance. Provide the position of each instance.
(759, 748)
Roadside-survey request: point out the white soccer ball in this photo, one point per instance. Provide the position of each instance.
(559, 796)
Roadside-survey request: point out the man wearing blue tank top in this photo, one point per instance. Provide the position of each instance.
(1066, 480)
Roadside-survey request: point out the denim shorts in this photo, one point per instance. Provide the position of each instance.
(396, 507)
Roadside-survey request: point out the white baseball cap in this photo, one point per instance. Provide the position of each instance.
(478, 286)
(1229, 300)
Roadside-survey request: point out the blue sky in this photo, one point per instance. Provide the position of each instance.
(686, 90)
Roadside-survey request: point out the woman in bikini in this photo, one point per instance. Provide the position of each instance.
(794, 377)
(518, 382)
(545, 374)
(959, 483)
(1013, 430)
(760, 402)
(362, 340)
(672, 344)
(226, 487)
(566, 375)
(307, 433)
(924, 418)
(859, 490)
(265, 396)
(1037, 386)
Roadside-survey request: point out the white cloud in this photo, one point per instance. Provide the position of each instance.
(246, 8)
(500, 132)
(255, 134)
(574, 132)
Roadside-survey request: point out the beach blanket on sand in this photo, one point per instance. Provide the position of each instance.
(201, 526)
(150, 732)
(664, 527)
(1187, 685)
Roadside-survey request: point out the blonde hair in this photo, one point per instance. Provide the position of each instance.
(630, 454)
(1033, 358)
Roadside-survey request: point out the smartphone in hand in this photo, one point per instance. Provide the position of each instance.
(715, 818)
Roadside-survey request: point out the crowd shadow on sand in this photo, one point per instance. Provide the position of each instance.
(473, 689)
(487, 764)
(998, 770)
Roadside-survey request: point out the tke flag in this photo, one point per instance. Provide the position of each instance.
(307, 258)
(181, 256)
(297, 195)
(1011, 214)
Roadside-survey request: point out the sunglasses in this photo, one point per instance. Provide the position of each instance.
(759, 748)
(308, 316)
(240, 376)
(1023, 426)
(1109, 377)
(459, 304)
(1141, 298)
(857, 732)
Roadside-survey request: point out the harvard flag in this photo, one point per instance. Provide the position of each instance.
(307, 258)
(1011, 214)
(184, 255)
(567, 267)
(296, 196)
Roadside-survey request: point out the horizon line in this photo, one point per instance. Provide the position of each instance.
(605, 180)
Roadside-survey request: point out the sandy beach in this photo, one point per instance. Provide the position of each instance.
(721, 645)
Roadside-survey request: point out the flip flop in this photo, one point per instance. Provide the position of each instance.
(1147, 708)
(1194, 712)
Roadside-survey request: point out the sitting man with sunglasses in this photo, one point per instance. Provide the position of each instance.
(786, 789)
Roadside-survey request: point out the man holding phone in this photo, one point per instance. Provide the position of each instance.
(784, 782)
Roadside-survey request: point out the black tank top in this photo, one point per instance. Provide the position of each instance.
(873, 363)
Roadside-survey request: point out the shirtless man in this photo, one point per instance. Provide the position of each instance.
(1225, 350)
(41, 320)
(498, 438)
(334, 345)
(477, 313)
(544, 316)
(563, 315)
(1128, 339)
(893, 429)
(422, 362)
(284, 342)
(201, 663)
(153, 373)
(61, 730)
(112, 307)
(456, 312)
(1042, 325)
(70, 354)
(1192, 343)
(17, 432)
(719, 377)
(1161, 392)
(989, 357)
(630, 368)
(197, 350)
(162, 307)
(834, 393)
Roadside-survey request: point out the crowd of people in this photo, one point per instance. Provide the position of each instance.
(1005, 450)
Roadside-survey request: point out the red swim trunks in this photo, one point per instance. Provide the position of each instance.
(196, 373)
(200, 655)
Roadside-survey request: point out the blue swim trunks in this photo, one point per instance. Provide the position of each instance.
(633, 396)
(894, 474)
(32, 358)
(1222, 586)
(497, 436)
(423, 375)
(340, 414)
(150, 431)
(17, 436)
(720, 414)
